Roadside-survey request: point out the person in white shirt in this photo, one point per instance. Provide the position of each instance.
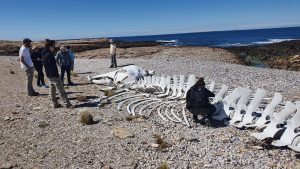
(27, 65)
(113, 52)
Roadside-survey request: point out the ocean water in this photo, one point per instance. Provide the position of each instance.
(223, 38)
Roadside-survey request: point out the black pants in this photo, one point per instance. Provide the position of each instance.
(113, 60)
(206, 111)
(40, 78)
(63, 70)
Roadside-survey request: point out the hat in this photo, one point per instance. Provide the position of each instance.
(63, 47)
(111, 40)
(27, 40)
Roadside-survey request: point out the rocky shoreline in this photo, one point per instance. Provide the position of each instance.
(283, 55)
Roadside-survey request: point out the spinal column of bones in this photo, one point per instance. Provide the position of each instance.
(239, 107)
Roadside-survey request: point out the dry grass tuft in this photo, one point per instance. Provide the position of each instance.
(74, 74)
(86, 118)
(161, 142)
(11, 72)
(35, 74)
(81, 98)
(164, 165)
(109, 93)
(129, 118)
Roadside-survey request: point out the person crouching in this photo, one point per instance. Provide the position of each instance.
(52, 74)
(197, 102)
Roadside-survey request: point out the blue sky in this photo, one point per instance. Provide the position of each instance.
(60, 19)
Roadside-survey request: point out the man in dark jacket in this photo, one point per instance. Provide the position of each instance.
(64, 60)
(197, 101)
(36, 58)
(52, 74)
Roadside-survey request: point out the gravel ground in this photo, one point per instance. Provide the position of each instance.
(33, 134)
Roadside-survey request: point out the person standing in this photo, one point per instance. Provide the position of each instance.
(197, 101)
(113, 52)
(38, 65)
(63, 59)
(51, 70)
(72, 55)
(27, 65)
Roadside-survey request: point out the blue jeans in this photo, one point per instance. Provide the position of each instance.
(63, 70)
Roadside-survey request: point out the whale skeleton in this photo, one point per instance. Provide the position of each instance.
(165, 96)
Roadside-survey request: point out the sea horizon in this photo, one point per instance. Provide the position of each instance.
(226, 38)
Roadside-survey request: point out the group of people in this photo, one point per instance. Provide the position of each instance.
(37, 59)
(197, 99)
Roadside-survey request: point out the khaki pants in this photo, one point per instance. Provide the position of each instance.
(56, 83)
(29, 79)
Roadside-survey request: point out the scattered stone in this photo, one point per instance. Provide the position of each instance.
(122, 132)
(155, 145)
(37, 108)
(6, 118)
(257, 147)
(43, 124)
(6, 166)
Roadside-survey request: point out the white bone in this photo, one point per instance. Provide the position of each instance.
(295, 144)
(142, 102)
(252, 107)
(178, 120)
(220, 95)
(119, 107)
(212, 86)
(191, 82)
(277, 98)
(159, 113)
(271, 128)
(241, 105)
(148, 105)
(174, 86)
(184, 116)
(180, 86)
(132, 103)
(230, 101)
(289, 134)
(132, 96)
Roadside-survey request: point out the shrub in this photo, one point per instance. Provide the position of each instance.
(164, 165)
(86, 118)
(162, 144)
(81, 98)
(74, 74)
